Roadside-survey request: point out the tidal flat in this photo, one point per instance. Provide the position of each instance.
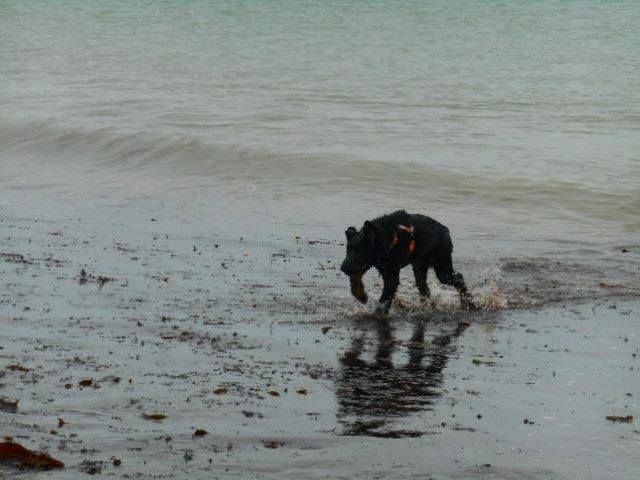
(136, 349)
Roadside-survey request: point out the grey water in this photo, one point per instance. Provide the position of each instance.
(516, 123)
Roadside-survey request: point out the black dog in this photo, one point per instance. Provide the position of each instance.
(392, 242)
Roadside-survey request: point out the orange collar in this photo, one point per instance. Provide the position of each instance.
(410, 230)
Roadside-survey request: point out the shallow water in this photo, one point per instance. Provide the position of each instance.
(514, 124)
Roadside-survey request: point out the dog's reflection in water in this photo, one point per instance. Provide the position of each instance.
(373, 394)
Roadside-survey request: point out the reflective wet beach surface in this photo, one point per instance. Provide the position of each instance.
(256, 341)
(374, 394)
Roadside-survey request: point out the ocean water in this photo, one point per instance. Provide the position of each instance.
(516, 123)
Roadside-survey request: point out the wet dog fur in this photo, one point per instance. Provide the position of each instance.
(394, 241)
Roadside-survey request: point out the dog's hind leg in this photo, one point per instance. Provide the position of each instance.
(420, 274)
(447, 275)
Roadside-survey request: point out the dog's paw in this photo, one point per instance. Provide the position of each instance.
(357, 288)
(382, 308)
(363, 298)
(472, 307)
(468, 304)
(360, 295)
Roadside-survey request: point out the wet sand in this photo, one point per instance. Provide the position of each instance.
(256, 341)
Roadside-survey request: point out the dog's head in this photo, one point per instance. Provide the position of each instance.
(361, 249)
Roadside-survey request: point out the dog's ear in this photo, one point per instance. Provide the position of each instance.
(350, 232)
(370, 230)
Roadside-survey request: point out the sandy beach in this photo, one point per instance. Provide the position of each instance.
(176, 180)
(257, 342)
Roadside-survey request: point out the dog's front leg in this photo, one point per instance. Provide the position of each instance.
(391, 279)
(357, 287)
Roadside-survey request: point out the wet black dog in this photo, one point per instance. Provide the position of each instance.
(390, 243)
